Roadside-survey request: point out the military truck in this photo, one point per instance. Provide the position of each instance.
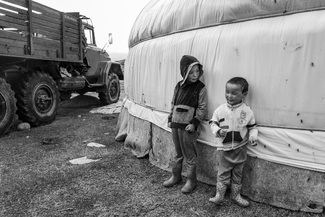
(45, 55)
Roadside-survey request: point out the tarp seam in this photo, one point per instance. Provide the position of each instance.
(226, 23)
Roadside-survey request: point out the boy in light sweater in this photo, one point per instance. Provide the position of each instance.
(234, 123)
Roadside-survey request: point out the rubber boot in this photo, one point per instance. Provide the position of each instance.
(191, 180)
(176, 174)
(220, 194)
(235, 195)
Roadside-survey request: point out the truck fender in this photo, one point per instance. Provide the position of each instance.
(107, 67)
(110, 91)
(114, 67)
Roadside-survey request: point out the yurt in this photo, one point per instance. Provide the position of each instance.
(278, 46)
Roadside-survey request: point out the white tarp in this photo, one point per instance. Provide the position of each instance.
(300, 148)
(282, 58)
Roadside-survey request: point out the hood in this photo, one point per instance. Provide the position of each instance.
(186, 64)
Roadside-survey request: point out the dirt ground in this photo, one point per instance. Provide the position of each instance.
(37, 179)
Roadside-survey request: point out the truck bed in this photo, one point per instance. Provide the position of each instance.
(32, 30)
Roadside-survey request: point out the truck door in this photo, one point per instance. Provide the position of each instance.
(93, 53)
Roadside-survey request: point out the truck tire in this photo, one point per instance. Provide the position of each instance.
(7, 107)
(37, 98)
(112, 93)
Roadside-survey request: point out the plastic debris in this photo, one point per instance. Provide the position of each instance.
(23, 126)
(109, 109)
(94, 144)
(50, 141)
(83, 160)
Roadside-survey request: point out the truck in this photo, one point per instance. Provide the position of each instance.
(45, 56)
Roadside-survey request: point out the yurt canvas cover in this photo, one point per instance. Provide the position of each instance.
(278, 46)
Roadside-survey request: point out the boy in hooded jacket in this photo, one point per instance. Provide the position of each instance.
(188, 109)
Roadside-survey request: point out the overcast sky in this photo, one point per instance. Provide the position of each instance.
(108, 16)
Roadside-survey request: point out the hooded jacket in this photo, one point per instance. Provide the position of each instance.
(188, 104)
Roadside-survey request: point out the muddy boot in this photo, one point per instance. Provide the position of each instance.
(191, 180)
(235, 195)
(176, 174)
(221, 190)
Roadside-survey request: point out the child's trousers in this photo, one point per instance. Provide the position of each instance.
(185, 145)
(231, 164)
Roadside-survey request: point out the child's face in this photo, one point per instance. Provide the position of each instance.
(234, 94)
(194, 74)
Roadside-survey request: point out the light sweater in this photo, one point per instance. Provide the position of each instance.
(239, 122)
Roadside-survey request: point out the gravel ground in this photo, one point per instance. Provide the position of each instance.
(37, 178)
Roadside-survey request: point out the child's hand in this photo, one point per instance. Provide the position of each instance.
(169, 124)
(253, 140)
(190, 128)
(222, 132)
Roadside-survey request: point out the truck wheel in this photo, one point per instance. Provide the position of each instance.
(38, 98)
(7, 107)
(112, 93)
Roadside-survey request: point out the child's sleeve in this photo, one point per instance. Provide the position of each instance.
(201, 109)
(252, 127)
(214, 123)
(172, 105)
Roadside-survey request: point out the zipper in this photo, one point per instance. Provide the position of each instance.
(232, 130)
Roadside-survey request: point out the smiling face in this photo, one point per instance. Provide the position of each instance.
(194, 74)
(234, 94)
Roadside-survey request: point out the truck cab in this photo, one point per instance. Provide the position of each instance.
(101, 74)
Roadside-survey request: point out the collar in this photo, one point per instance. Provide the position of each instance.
(186, 83)
(232, 107)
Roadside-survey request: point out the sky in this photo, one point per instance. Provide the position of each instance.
(108, 16)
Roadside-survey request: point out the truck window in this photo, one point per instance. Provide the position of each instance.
(89, 36)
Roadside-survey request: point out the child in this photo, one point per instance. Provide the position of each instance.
(234, 123)
(188, 109)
